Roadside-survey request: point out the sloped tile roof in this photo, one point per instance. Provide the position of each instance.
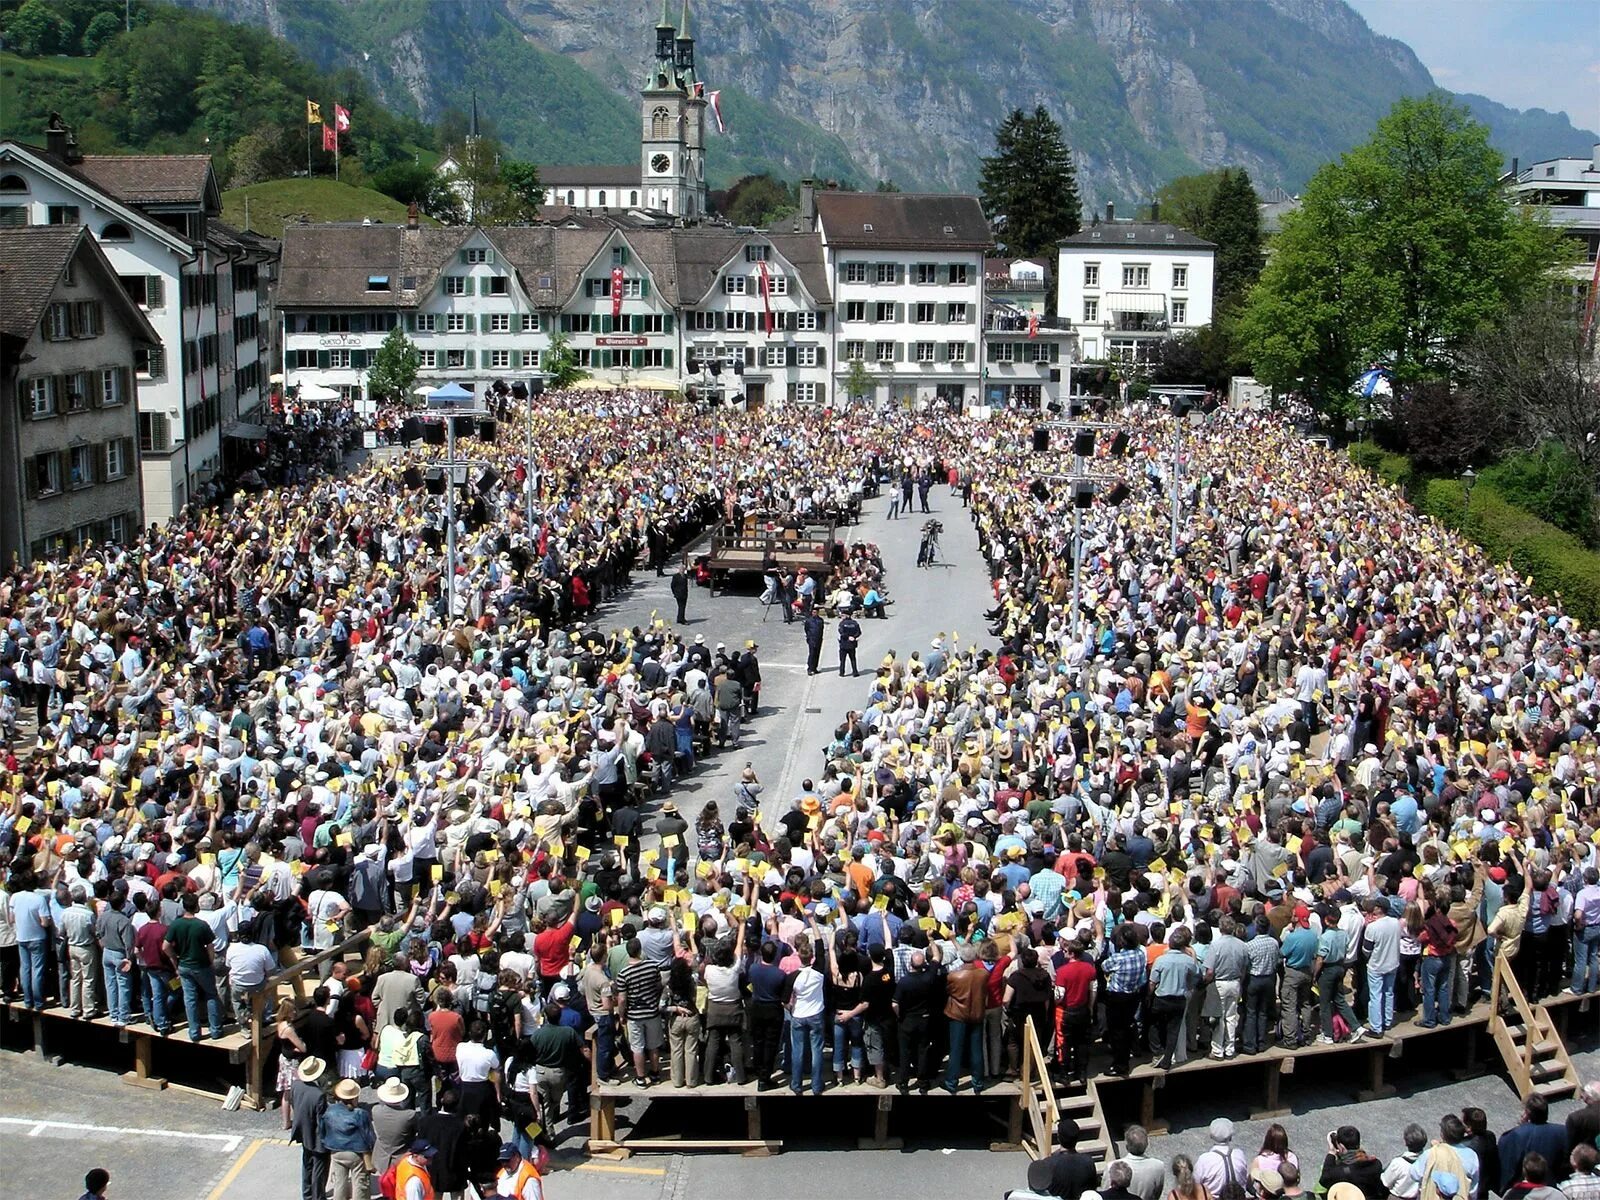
(900, 220)
(150, 178)
(32, 259)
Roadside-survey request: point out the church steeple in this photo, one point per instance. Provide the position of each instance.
(664, 39)
(685, 56)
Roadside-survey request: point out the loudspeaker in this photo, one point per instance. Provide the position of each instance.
(519, 391)
(1039, 492)
(413, 478)
(535, 386)
(432, 538)
(692, 366)
(1082, 495)
(1117, 494)
(487, 428)
(738, 366)
(488, 481)
(433, 433)
(1181, 406)
(478, 515)
(1119, 444)
(464, 426)
(436, 483)
(410, 430)
(1083, 443)
(1041, 440)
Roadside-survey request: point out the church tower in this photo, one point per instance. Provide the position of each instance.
(673, 108)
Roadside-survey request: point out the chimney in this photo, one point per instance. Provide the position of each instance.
(57, 136)
(1515, 164)
(1155, 210)
(411, 215)
(1596, 156)
(1111, 212)
(808, 206)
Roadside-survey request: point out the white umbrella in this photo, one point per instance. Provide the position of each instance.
(315, 391)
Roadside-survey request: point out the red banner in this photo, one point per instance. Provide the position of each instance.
(330, 139)
(616, 293)
(1033, 325)
(766, 293)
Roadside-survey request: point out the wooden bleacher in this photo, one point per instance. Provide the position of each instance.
(748, 546)
(51, 1032)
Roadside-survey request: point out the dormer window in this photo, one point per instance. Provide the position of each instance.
(949, 231)
(754, 254)
(377, 283)
(116, 231)
(866, 227)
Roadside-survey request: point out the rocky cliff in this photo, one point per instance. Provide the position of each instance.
(909, 90)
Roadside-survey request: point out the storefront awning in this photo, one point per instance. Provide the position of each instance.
(245, 430)
(1136, 302)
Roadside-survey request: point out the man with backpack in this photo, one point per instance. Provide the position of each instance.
(1222, 1170)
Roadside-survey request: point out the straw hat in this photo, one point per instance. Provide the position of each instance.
(310, 1069)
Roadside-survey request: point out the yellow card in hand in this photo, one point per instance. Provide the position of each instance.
(436, 872)
(617, 916)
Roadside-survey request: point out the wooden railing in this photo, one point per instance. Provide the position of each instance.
(1038, 1095)
(263, 1026)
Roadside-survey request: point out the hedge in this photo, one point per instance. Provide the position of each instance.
(1386, 465)
(1558, 563)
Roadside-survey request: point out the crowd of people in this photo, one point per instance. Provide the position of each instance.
(1317, 767)
(1461, 1158)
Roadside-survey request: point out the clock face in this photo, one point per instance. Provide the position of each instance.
(661, 163)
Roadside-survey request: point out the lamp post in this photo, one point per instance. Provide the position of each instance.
(1468, 478)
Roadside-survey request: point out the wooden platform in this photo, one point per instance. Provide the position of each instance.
(747, 549)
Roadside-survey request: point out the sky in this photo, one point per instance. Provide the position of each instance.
(1525, 53)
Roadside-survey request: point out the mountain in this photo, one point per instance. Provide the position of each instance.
(907, 90)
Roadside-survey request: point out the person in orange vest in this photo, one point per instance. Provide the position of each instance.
(411, 1178)
(518, 1178)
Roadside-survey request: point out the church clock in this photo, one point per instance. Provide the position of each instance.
(661, 163)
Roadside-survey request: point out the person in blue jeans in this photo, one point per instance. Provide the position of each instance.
(806, 1015)
(30, 917)
(1438, 962)
(189, 942)
(1586, 935)
(966, 995)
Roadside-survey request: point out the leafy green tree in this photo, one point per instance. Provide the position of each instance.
(223, 94)
(1233, 222)
(101, 29)
(757, 200)
(1552, 483)
(859, 381)
(266, 152)
(393, 372)
(36, 30)
(1186, 201)
(1400, 252)
(523, 180)
(560, 364)
(1030, 184)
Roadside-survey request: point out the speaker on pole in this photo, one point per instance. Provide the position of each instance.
(1082, 494)
(413, 478)
(433, 433)
(1083, 443)
(431, 537)
(1119, 444)
(410, 430)
(1041, 440)
(1117, 494)
(436, 483)
(1039, 492)
(464, 426)
(487, 429)
(488, 481)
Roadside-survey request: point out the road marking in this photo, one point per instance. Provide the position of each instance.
(227, 1143)
(612, 1169)
(233, 1172)
(790, 756)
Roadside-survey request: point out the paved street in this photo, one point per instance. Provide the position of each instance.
(799, 712)
(55, 1122)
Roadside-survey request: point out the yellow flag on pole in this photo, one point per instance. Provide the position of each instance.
(313, 113)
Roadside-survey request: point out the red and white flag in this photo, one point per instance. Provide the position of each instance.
(341, 117)
(616, 292)
(716, 110)
(330, 139)
(766, 293)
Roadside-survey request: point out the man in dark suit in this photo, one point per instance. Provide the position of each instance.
(813, 641)
(307, 1101)
(680, 593)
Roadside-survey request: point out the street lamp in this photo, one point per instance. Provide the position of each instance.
(1468, 478)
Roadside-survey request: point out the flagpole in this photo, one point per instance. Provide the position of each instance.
(308, 149)
(336, 140)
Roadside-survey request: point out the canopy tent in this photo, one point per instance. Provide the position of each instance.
(315, 391)
(246, 430)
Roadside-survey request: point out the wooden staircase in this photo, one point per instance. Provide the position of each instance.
(1534, 1053)
(1043, 1106)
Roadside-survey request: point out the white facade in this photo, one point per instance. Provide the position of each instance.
(191, 388)
(1567, 192)
(789, 365)
(912, 317)
(1127, 286)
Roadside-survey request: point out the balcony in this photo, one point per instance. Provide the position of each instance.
(1005, 283)
(1014, 322)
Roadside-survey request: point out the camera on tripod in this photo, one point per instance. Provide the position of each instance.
(933, 527)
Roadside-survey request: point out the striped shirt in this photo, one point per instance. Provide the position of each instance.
(640, 985)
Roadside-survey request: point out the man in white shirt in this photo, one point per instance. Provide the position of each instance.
(805, 1022)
